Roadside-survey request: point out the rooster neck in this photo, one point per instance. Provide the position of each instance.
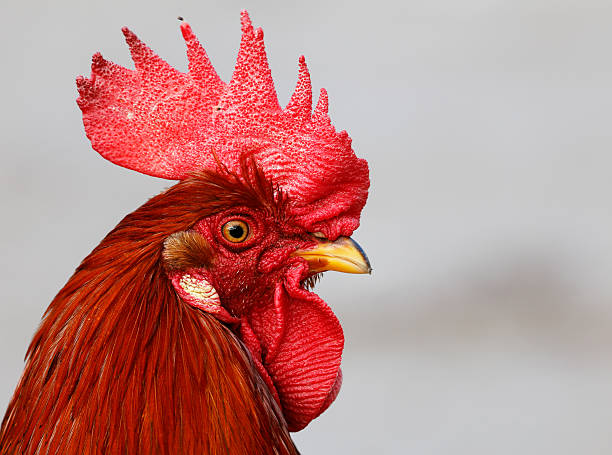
(121, 365)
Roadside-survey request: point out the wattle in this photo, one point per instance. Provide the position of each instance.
(299, 342)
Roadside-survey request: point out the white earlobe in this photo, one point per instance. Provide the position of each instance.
(200, 290)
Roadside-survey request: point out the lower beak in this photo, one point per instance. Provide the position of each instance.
(343, 255)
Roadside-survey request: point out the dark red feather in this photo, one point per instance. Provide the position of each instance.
(120, 364)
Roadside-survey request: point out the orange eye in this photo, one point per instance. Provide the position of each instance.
(235, 231)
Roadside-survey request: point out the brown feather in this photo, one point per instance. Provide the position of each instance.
(121, 365)
(186, 249)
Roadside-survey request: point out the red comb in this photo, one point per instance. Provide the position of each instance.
(162, 122)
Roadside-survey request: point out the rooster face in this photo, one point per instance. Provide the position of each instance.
(251, 259)
(252, 266)
(247, 252)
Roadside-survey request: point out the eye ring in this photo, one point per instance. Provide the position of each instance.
(235, 231)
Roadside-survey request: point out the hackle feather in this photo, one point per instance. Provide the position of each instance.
(121, 365)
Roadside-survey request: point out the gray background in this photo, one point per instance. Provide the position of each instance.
(487, 324)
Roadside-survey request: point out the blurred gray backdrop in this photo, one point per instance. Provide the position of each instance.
(486, 326)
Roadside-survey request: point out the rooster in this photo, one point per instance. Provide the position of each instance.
(192, 327)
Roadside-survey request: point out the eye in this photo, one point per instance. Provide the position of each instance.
(235, 231)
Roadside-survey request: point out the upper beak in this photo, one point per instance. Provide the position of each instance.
(343, 255)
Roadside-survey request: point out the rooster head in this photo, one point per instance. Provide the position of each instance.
(286, 189)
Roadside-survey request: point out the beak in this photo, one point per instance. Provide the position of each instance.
(343, 255)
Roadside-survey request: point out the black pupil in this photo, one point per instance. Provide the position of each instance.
(236, 231)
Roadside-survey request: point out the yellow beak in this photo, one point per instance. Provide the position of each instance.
(343, 255)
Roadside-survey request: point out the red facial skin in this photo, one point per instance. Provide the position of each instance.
(243, 273)
(259, 285)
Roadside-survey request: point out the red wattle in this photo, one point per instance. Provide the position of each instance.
(303, 358)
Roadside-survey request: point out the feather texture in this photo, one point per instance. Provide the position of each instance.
(120, 364)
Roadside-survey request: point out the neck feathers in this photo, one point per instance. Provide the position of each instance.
(121, 365)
